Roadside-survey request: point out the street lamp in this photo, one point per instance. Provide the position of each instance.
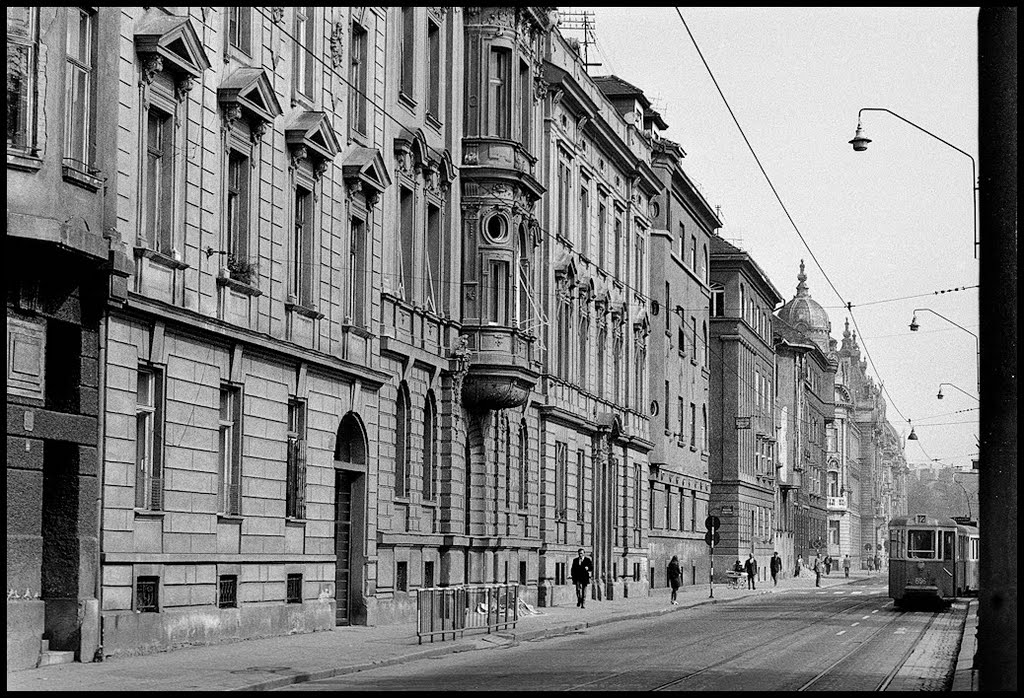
(977, 349)
(939, 396)
(860, 143)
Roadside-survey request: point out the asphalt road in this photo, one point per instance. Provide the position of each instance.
(849, 638)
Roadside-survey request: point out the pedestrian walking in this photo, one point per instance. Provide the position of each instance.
(674, 578)
(799, 564)
(775, 566)
(582, 569)
(828, 565)
(846, 565)
(871, 565)
(750, 567)
(878, 563)
(817, 570)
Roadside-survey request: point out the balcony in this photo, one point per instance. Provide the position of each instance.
(499, 373)
(837, 504)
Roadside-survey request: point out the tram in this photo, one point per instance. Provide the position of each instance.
(931, 559)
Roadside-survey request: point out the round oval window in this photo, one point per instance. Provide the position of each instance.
(497, 228)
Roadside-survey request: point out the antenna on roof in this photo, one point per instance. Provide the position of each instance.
(582, 20)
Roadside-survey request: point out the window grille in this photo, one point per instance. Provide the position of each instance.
(294, 588)
(227, 591)
(147, 594)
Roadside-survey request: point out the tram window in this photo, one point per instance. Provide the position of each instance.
(921, 544)
(947, 545)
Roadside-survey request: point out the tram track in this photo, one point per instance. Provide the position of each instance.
(727, 637)
(864, 645)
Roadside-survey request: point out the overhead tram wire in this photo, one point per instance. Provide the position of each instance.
(848, 305)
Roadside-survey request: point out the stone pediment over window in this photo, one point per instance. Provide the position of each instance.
(248, 94)
(415, 156)
(642, 324)
(565, 266)
(364, 171)
(170, 43)
(310, 136)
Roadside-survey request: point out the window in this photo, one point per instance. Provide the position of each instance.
(22, 45)
(227, 591)
(498, 297)
(357, 78)
(239, 28)
(522, 572)
(602, 349)
(561, 475)
(705, 267)
(668, 508)
(693, 328)
(295, 502)
(230, 451)
(499, 94)
(584, 217)
(302, 247)
(403, 428)
(638, 261)
(581, 464)
(717, 301)
(149, 439)
(707, 347)
(693, 511)
(356, 310)
(584, 344)
(602, 232)
(704, 428)
(428, 574)
(147, 595)
(305, 36)
(524, 471)
(693, 253)
(506, 429)
(407, 245)
(433, 70)
(524, 310)
(618, 242)
(78, 97)
(668, 412)
(682, 240)
(430, 447)
(833, 532)
(637, 502)
(681, 413)
(434, 275)
(402, 576)
(293, 590)
(693, 426)
(525, 104)
(237, 209)
(564, 178)
(408, 65)
(683, 520)
(158, 186)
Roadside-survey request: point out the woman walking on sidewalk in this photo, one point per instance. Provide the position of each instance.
(674, 576)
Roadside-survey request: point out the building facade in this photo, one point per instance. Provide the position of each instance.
(64, 262)
(744, 390)
(680, 481)
(843, 476)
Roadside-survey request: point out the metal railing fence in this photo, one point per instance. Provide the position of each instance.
(444, 610)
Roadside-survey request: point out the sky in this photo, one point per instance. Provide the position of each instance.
(892, 227)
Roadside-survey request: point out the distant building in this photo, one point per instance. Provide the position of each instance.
(743, 394)
(807, 368)
(844, 472)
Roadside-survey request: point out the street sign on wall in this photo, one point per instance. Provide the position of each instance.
(743, 422)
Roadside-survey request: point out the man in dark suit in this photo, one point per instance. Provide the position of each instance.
(750, 567)
(775, 567)
(582, 569)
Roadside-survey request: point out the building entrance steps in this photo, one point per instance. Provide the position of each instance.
(280, 661)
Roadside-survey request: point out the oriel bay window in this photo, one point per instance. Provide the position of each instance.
(498, 296)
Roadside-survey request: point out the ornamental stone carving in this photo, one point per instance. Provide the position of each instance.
(151, 65)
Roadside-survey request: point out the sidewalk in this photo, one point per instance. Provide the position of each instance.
(966, 678)
(280, 661)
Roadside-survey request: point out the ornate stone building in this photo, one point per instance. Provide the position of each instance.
(844, 473)
(806, 369)
(744, 391)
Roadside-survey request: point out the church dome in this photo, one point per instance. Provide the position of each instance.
(803, 313)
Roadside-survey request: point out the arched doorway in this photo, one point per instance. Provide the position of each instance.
(350, 520)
